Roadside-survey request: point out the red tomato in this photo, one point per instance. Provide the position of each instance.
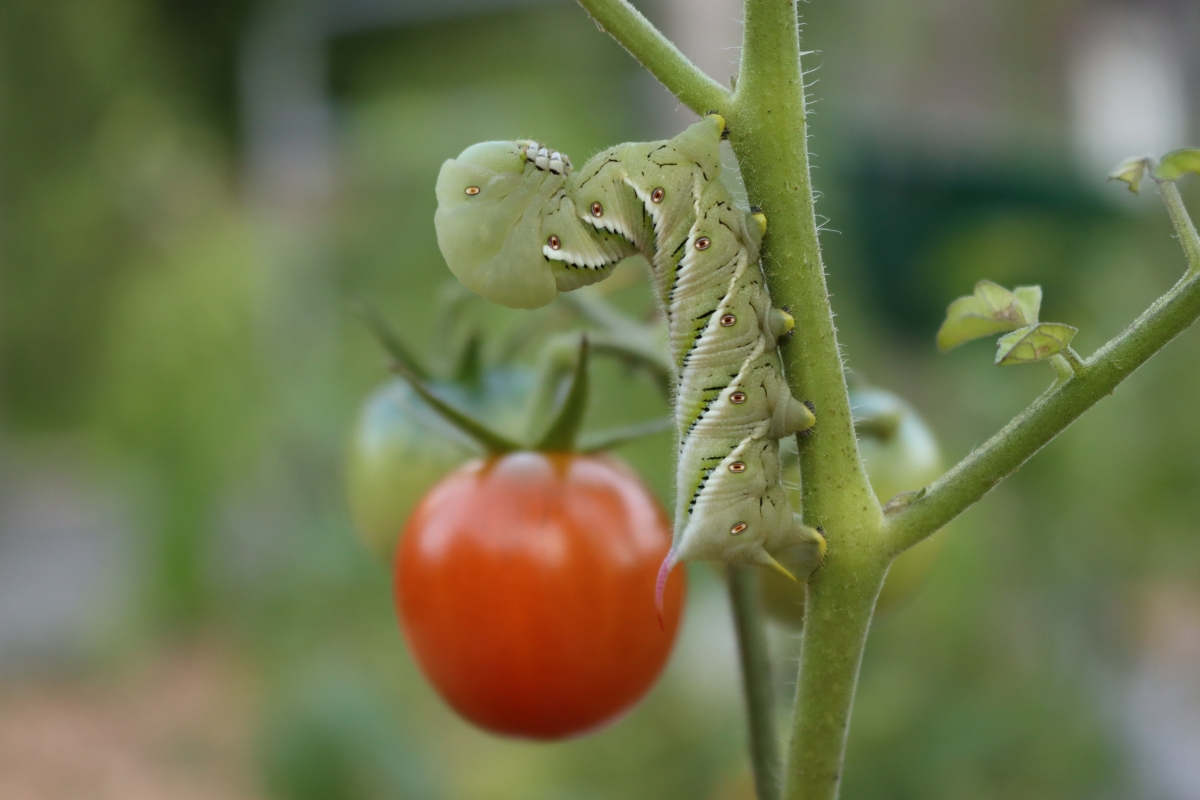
(525, 587)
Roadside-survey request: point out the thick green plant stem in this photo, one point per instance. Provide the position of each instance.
(1001, 455)
(768, 133)
(658, 55)
(756, 681)
(841, 599)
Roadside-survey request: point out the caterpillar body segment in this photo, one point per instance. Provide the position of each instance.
(538, 232)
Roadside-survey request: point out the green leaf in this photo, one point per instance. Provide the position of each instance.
(1033, 343)
(564, 430)
(1178, 162)
(991, 309)
(1029, 298)
(1131, 171)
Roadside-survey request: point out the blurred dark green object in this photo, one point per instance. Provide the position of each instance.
(334, 736)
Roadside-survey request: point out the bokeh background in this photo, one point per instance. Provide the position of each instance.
(190, 194)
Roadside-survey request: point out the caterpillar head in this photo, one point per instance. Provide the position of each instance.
(508, 230)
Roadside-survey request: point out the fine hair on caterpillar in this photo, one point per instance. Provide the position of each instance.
(518, 225)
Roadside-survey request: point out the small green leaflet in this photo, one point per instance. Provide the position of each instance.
(1177, 163)
(1173, 166)
(1033, 343)
(1131, 171)
(991, 309)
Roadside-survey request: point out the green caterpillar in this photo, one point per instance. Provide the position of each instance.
(518, 225)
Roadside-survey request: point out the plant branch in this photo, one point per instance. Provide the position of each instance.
(1001, 455)
(769, 136)
(1069, 355)
(1183, 224)
(658, 55)
(756, 681)
(837, 614)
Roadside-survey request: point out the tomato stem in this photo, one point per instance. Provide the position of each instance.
(563, 431)
(757, 683)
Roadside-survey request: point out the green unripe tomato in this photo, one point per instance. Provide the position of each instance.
(900, 454)
(400, 447)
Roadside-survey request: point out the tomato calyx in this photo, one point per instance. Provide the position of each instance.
(563, 430)
(561, 435)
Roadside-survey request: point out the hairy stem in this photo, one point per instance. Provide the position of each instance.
(769, 135)
(770, 138)
(841, 599)
(1183, 224)
(658, 55)
(756, 681)
(1001, 455)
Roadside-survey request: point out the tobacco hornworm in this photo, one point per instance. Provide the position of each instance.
(518, 225)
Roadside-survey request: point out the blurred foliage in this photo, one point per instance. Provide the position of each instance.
(139, 307)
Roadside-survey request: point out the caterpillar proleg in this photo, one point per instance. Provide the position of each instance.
(518, 225)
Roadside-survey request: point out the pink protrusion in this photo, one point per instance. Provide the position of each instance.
(660, 587)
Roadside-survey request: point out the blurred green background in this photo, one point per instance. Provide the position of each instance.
(190, 194)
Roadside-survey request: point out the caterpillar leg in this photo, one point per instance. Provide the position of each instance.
(780, 323)
(790, 416)
(760, 219)
(713, 115)
(802, 552)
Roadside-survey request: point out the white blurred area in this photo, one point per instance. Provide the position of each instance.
(1163, 703)
(67, 564)
(1127, 86)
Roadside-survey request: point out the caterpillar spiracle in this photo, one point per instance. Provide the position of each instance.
(518, 225)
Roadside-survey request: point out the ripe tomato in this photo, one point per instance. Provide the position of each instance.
(525, 589)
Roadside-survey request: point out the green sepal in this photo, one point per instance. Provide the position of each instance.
(1175, 164)
(991, 309)
(406, 367)
(1033, 343)
(469, 369)
(1132, 171)
(564, 430)
(370, 317)
(615, 437)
